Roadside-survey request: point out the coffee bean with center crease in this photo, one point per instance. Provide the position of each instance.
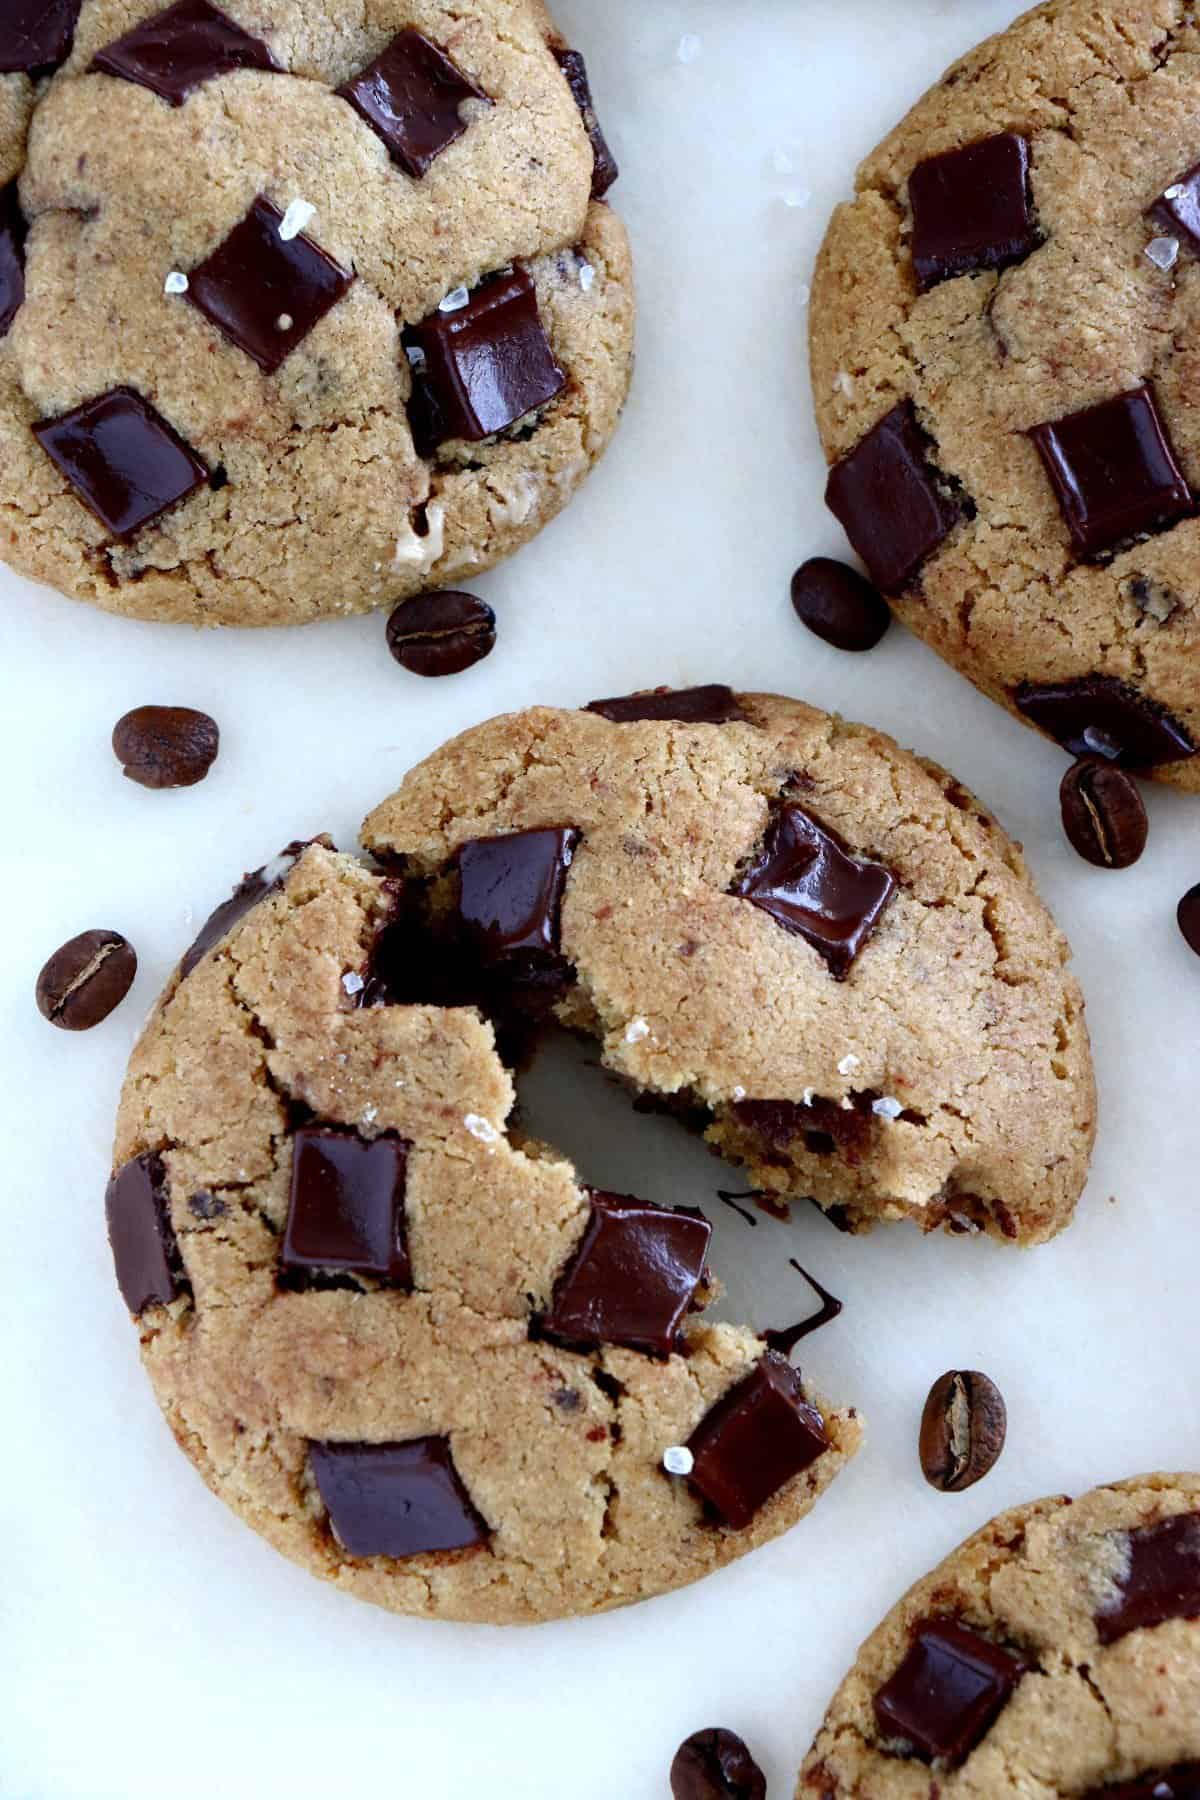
(166, 746)
(1102, 813)
(85, 979)
(839, 605)
(442, 633)
(1188, 915)
(716, 1765)
(963, 1428)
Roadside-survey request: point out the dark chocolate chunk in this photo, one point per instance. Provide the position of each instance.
(784, 1342)
(480, 367)
(36, 35)
(1177, 209)
(1180, 1783)
(180, 49)
(838, 605)
(145, 1253)
(1097, 715)
(265, 292)
(1188, 915)
(808, 883)
(604, 166)
(396, 1499)
(122, 458)
(754, 1440)
(971, 209)
(891, 501)
(824, 1127)
(250, 890)
(633, 1277)
(1113, 471)
(948, 1692)
(412, 96)
(441, 633)
(511, 891)
(346, 1206)
(86, 979)
(1162, 1580)
(166, 746)
(716, 1765)
(713, 705)
(12, 256)
(963, 1427)
(1103, 815)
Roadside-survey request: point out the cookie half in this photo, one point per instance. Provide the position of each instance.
(301, 310)
(1002, 336)
(1056, 1652)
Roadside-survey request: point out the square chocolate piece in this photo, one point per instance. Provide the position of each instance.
(412, 96)
(1097, 715)
(807, 881)
(12, 256)
(180, 49)
(633, 1277)
(971, 209)
(1161, 1581)
(948, 1692)
(265, 292)
(144, 1249)
(1113, 472)
(890, 502)
(36, 35)
(604, 166)
(511, 891)
(480, 367)
(1177, 209)
(396, 1499)
(713, 705)
(122, 458)
(346, 1207)
(754, 1441)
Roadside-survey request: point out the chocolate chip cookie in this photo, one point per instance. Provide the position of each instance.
(1056, 1652)
(302, 310)
(1003, 357)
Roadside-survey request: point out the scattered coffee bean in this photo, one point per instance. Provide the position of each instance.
(839, 605)
(85, 979)
(442, 633)
(963, 1428)
(1188, 915)
(166, 746)
(1102, 813)
(716, 1765)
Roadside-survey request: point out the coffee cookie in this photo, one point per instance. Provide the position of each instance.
(1002, 336)
(302, 310)
(1056, 1653)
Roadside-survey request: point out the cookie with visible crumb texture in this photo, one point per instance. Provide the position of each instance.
(1056, 1653)
(1016, 256)
(353, 473)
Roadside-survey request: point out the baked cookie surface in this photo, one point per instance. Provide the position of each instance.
(311, 307)
(1003, 358)
(1056, 1653)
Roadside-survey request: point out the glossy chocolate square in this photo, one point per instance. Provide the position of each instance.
(145, 1253)
(412, 96)
(481, 367)
(122, 458)
(971, 209)
(890, 500)
(754, 1440)
(511, 891)
(1161, 1579)
(604, 166)
(713, 705)
(1113, 472)
(1097, 715)
(1177, 209)
(396, 1499)
(346, 1206)
(807, 881)
(180, 49)
(948, 1692)
(633, 1277)
(36, 35)
(12, 256)
(265, 292)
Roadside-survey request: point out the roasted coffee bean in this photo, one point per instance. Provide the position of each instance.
(85, 979)
(716, 1765)
(442, 633)
(1102, 813)
(839, 605)
(963, 1428)
(166, 746)
(1188, 915)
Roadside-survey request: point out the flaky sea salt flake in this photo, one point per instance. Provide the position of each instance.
(886, 1107)
(1163, 252)
(353, 982)
(636, 1030)
(176, 282)
(455, 300)
(678, 1460)
(299, 215)
(481, 1128)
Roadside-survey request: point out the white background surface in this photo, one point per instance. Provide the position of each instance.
(149, 1638)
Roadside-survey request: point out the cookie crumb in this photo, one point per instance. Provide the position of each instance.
(298, 216)
(678, 1460)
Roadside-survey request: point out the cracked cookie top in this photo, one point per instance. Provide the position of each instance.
(298, 314)
(1002, 336)
(1056, 1652)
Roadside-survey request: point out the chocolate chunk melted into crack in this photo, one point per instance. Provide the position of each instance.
(891, 501)
(1161, 1581)
(633, 1277)
(754, 1440)
(972, 209)
(784, 1342)
(948, 1692)
(511, 892)
(180, 49)
(808, 882)
(124, 461)
(396, 1499)
(414, 97)
(250, 890)
(713, 705)
(346, 1210)
(604, 165)
(1114, 472)
(36, 35)
(1098, 715)
(824, 1127)
(12, 256)
(145, 1253)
